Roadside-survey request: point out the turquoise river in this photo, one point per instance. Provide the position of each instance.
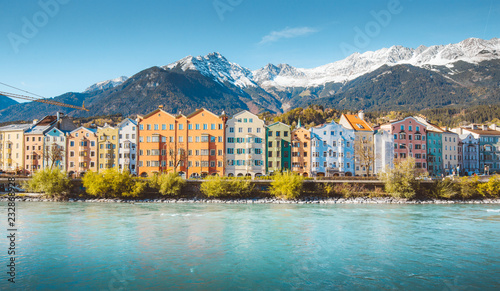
(116, 246)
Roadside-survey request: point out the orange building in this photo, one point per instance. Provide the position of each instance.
(191, 145)
(301, 151)
(82, 151)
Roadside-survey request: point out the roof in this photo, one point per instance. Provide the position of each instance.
(16, 127)
(490, 132)
(127, 120)
(278, 123)
(84, 128)
(47, 120)
(201, 110)
(357, 123)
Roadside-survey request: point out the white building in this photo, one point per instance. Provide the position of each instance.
(450, 152)
(127, 146)
(245, 145)
(384, 151)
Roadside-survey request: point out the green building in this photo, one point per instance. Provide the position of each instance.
(278, 147)
(434, 152)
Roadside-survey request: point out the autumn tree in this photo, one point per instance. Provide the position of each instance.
(53, 154)
(363, 151)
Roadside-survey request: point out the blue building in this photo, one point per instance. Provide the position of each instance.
(332, 148)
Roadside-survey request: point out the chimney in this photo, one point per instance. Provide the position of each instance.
(361, 115)
(484, 126)
(160, 106)
(474, 126)
(35, 121)
(493, 126)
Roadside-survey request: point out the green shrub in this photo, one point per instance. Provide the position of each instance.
(52, 182)
(468, 187)
(401, 181)
(287, 185)
(490, 189)
(168, 184)
(445, 189)
(216, 186)
(112, 183)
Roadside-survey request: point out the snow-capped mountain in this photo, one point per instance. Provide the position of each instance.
(106, 84)
(471, 50)
(216, 66)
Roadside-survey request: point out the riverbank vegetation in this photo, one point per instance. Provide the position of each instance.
(168, 183)
(225, 187)
(51, 182)
(113, 183)
(286, 185)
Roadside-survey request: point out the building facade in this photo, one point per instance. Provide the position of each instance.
(191, 145)
(363, 143)
(245, 145)
(332, 150)
(470, 153)
(12, 147)
(55, 149)
(435, 152)
(410, 137)
(107, 152)
(278, 147)
(127, 146)
(450, 155)
(489, 147)
(383, 151)
(82, 151)
(301, 151)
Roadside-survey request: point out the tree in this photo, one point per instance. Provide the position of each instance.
(53, 154)
(176, 155)
(363, 151)
(401, 181)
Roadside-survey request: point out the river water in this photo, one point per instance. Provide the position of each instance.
(113, 246)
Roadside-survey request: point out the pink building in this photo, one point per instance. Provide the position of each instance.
(409, 140)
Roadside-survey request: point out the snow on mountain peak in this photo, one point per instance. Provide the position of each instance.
(471, 50)
(216, 66)
(106, 84)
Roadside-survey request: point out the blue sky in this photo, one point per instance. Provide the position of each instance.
(77, 43)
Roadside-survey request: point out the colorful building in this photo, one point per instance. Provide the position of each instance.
(245, 145)
(301, 151)
(332, 147)
(470, 153)
(82, 151)
(35, 139)
(363, 143)
(12, 147)
(107, 152)
(278, 147)
(191, 145)
(409, 140)
(489, 146)
(127, 146)
(55, 153)
(450, 154)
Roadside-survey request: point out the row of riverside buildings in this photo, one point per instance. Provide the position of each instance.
(204, 143)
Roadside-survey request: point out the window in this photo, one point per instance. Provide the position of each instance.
(181, 126)
(190, 126)
(249, 130)
(205, 126)
(171, 126)
(197, 126)
(258, 130)
(163, 127)
(270, 133)
(156, 126)
(231, 129)
(278, 133)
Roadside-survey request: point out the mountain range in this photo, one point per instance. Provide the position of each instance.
(396, 78)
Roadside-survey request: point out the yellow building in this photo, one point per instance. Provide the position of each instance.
(363, 142)
(107, 139)
(12, 147)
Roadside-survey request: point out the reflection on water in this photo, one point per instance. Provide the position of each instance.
(270, 246)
